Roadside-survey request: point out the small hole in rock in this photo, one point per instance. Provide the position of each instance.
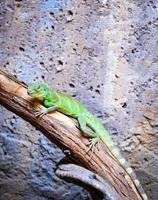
(51, 13)
(91, 88)
(70, 12)
(41, 63)
(21, 49)
(124, 105)
(60, 62)
(18, 5)
(145, 159)
(97, 91)
(72, 85)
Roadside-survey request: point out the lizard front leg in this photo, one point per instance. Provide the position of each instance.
(49, 107)
(44, 111)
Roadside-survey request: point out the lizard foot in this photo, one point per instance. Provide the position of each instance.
(93, 144)
(40, 113)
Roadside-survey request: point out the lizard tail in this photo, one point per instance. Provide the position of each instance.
(116, 153)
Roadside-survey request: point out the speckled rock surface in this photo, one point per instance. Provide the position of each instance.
(102, 52)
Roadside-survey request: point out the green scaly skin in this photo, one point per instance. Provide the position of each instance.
(90, 126)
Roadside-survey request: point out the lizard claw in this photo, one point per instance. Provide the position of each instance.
(93, 144)
(40, 113)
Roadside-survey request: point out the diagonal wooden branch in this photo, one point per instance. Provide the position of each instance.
(63, 131)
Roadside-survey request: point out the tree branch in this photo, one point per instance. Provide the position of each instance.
(63, 131)
(87, 179)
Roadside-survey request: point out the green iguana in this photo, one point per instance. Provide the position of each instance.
(90, 126)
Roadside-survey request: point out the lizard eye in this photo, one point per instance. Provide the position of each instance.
(38, 87)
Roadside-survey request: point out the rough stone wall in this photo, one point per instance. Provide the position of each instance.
(103, 52)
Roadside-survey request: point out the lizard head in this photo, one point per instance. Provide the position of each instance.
(37, 90)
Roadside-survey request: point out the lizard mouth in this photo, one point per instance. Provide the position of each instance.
(29, 92)
(35, 94)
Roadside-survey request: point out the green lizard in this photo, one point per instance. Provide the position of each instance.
(90, 126)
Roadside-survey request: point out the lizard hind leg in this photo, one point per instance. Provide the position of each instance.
(88, 132)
